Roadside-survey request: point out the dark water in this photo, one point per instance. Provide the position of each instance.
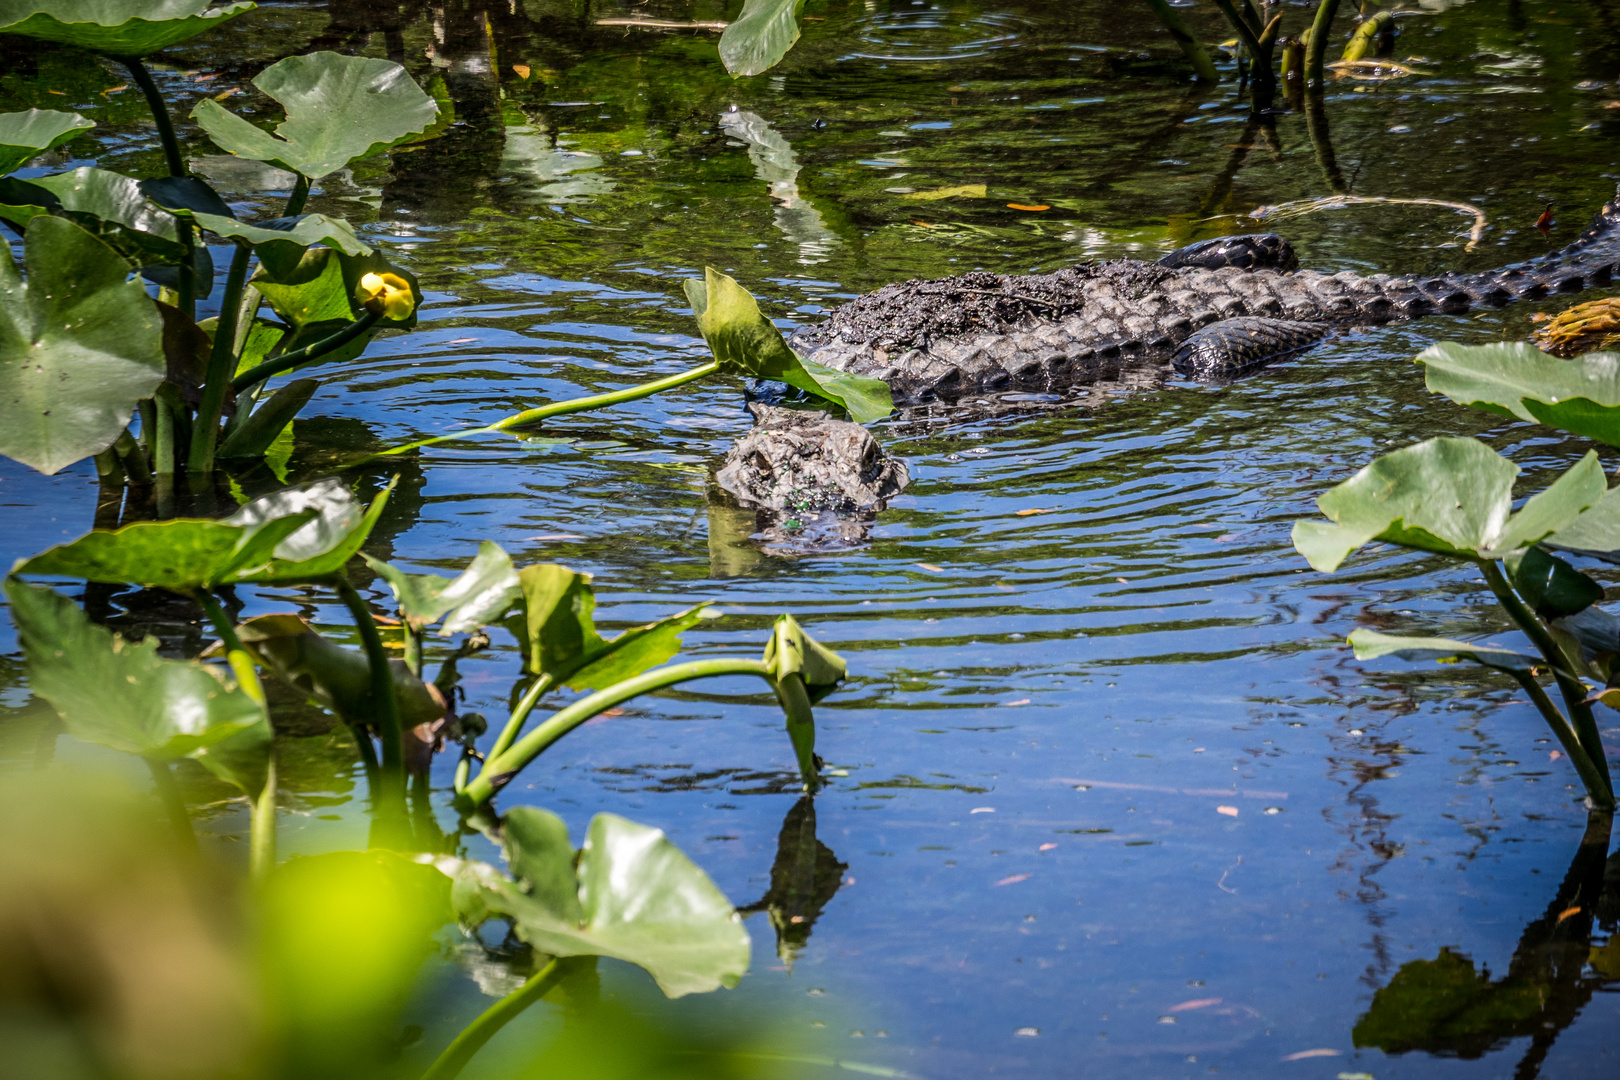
(1112, 797)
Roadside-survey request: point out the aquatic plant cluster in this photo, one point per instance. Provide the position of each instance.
(103, 356)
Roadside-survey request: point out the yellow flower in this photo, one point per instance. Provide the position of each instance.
(388, 295)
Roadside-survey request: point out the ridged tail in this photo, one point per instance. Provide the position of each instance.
(1593, 260)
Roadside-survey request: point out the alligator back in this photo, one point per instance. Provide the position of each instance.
(983, 332)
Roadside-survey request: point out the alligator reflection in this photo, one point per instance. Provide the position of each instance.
(1444, 1007)
(805, 876)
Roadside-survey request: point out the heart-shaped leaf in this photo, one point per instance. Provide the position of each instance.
(480, 596)
(115, 27)
(339, 108)
(1516, 379)
(79, 346)
(744, 342)
(119, 693)
(108, 205)
(26, 135)
(558, 626)
(1452, 496)
(760, 36)
(1370, 645)
(315, 291)
(629, 894)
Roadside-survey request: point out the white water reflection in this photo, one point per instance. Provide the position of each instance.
(776, 164)
(556, 174)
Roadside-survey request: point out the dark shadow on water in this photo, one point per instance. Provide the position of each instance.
(804, 878)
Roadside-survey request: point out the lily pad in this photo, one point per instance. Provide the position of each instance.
(760, 36)
(1595, 533)
(745, 342)
(79, 346)
(629, 894)
(107, 204)
(1452, 496)
(122, 694)
(114, 27)
(1516, 379)
(291, 234)
(339, 108)
(479, 596)
(26, 135)
(1370, 645)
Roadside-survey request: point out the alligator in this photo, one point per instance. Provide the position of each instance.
(1214, 309)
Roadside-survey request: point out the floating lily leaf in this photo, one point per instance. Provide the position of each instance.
(745, 343)
(480, 596)
(26, 135)
(79, 346)
(1370, 645)
(1452, 496)
(760, 36)
(114, 27)
(119, 693)
(631, 895)
(1516, 379)
(1551, 586)
(339, 108)
(337, 677)
(558, 626)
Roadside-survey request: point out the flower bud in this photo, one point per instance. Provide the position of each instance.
(388, 295)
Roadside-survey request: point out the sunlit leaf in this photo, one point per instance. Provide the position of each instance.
(631, 895)
(79, 346)
(760, 36)
(315, 292)
(26, 135)
(118, 693)
(1370, 645)
(339, 108)
(1516, 379)
(1452, 496)
(290, 234)
(306, 556)
(1596, 532)
(479, 596)
(114, 27)
(792, 651)
(107, 204)
(744, 342)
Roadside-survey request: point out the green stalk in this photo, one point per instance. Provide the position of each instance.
(491, 1020)
(413, 646)
(131, 458)
(520, 713)
(1241, 25)
(1316, 124)
(1572, 689)
(531, 416)
(261, 807)
(160, 113)
(187, 270)
(147, 410)
(313, 351)
(108, 469)
(262, 827)
(169, 793)
(300, 195)
(391, 776)
(801, 725)
(1189, 45)
(221, 363)
(1321, 26)
(499, 768)
(1589, 773)
(463, 771)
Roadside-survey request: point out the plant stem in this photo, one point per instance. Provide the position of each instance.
(313, 351)
(473, 1037)
(160, 113)
(262, 805)
(413, 646)
(221, 362)
(392, 773)
(1321, 26)
(532, 416)
(1245, 33)
(1572, 689)
(300, 195)
(236, 655)
(1190, 46)
(169, 792)
(520, 713)
(1584, 766)
(262, 830)
(131, 458)
(801, 725)
(500, 768)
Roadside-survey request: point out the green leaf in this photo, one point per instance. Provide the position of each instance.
(559, 630)
(1517, 379)
(273, 417)
(286, 238)
(242, 759)
(1370, 645)
(114, 27)
(792, 651)
(79, 346)
(479, 597)
(107, 204)
(1595, 533)
(306, 556)
(744, 342)
(190, 194)
(339, 108)
(118, 693)
(760, 36)
(26, 135)
(315, 293)
(1452, 496)
(631, 895)
(1552, 587)
(337, 677)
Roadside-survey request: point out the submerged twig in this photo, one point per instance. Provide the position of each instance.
(1298, 207)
